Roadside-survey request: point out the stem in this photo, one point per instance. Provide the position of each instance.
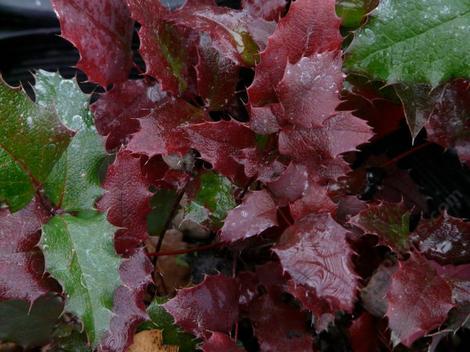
(186, 251)
(405, 154)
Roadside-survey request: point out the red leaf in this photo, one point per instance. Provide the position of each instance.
(314, 200)
(117, 110)
(291, 185)
(220, 143)
(363, 334)
(162, 131)
(278, 326)
(263, 119)
(210, 306)
(458, 277)
(418, 300)
(270, 10)
(102, 33)
(170, 39)
(220, 342)
(257, 213)
(448, 124)
(310, 26)
(21, 263)
(315, 253)
(309, 90)
(127, 201)
(445, 239)
(128, 307)
(263, 165)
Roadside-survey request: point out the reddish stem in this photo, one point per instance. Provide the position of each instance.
(186, 251)
(407, 153)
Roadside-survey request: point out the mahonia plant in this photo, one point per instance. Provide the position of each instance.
(226, 197)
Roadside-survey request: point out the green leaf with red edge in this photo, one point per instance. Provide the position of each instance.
(419, 300)
(79, 253)
(315, 253)
(102, 33)
(32, 139)
(389, 221)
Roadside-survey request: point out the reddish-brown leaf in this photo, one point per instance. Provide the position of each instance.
(445, 239)
(418, 300)
(310, 26)
(221, 144)
(315, 253)
(270, 10)
(363, 334)
(220, 342)
(128, 305)
(162, 131)
(102, 33)
(278, 326)
(117, 110)
(21, 263)
(210, 306)
(126, 201)
(449, 124)
(255, 214)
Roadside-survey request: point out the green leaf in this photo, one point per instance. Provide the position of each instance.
(29, 325)
(74, 183)
(162, 204)
(172, 334)
(215, 194)
(420, 41)
(71, 104)
(32, 139)
(79, 253)
(352, 11)
(67, 337)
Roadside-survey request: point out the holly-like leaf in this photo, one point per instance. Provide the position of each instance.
(116, 111)
(310, 26)
(449, 123)
(257, 213)
(270, 10)
(352, 12)
(170, 39)
(74, 183)
(128, 306)
(373, 296)
(65, 96)
(395, 47)
(220, 342)
(220, 143)
(102, 33)
(21, 264)
(163, 130)
(418, 300)
(32, 139)
(389, 221)
(126, 201)
(213, 196)
(278, 326)
(79, 253)
(210, 306)
(363, 334)
(172, 334)
(444, 239)
(315, 253)
(29, 324)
